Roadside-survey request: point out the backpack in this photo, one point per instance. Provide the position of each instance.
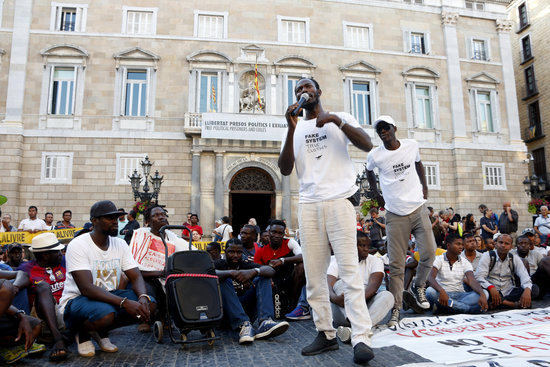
(493, 260)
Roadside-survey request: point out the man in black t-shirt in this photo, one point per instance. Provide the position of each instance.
(246, 294)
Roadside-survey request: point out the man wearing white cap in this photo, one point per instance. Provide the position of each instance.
(405, 190)
(47, 276)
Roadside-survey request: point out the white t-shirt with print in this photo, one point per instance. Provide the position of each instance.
(105, 266)
(371, 264)
(32, 225)
(399, 181)
(324, 168)
(451, 279)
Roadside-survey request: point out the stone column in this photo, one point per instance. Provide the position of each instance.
(18, 61)
(453, 71)
(285, 183)
(218, 188)
(195, 183)
(503, 29)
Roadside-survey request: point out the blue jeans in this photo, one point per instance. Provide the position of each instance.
(463, 302)
(256, 302)
(302, 301)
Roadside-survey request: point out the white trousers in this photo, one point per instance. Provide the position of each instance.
(333, 221)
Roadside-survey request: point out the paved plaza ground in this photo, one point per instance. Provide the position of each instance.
(139, 350)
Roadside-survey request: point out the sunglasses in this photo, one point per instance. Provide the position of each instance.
(382, 126)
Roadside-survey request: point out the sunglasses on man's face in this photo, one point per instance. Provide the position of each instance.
(383, 126)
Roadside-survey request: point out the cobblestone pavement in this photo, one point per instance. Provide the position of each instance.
(140, 350)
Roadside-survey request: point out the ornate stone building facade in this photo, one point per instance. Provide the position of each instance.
(91, 87)
(530, 35)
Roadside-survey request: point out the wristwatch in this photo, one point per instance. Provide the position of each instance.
(19, 313)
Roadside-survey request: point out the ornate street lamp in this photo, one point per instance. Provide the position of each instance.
(363, 183)
(156, 181)
(534, 185)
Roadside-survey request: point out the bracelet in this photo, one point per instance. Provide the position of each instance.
(344, 122)
(145, 296)
(122, 302)
(282, 260)
(258, 270)
(490, 287)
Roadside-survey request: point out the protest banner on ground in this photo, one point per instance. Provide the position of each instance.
(462, 339)
(26, 237)
(532, 361)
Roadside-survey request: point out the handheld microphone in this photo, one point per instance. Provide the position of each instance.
(303, 99)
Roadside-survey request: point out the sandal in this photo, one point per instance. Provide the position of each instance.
(144, 328)
(58, 353)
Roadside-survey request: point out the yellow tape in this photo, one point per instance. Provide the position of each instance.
(202, 245)
(26, 237)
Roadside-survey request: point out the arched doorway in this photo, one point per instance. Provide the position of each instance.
(251, 195)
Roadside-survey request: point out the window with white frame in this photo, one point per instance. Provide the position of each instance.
(209, 92)
(485, 112)
(294, 30)
(57, 168)
(361, 104)
(68, 17)
(125, 166)
(62, 90)
(358, 35)
(494, 177)
(135, 93)
(431, 170)
(210, 24)
(417, 43)
(423, 112)
(139, 21)
(418, 2)
(474, 5)
(479, 50)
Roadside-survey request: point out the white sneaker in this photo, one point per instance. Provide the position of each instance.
(394, 319)
(104, 343)
(85, 349)
(422, 300)
(344, 334)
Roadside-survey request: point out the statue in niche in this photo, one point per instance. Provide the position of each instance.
(248, 96)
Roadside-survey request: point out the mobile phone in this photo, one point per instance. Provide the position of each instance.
(450, 302)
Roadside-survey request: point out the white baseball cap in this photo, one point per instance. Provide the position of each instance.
(385, 118)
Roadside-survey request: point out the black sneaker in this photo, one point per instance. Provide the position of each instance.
(362, 353)
(320, 344)
(410, 300)
(422, 299)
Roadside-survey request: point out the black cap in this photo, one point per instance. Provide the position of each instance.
(103, 208)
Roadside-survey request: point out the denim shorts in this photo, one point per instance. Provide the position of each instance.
(81, 309)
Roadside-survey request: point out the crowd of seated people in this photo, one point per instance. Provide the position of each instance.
(260, 271)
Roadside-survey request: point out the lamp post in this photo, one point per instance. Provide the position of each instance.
(156, 182)
(363, 183)
(534, 185)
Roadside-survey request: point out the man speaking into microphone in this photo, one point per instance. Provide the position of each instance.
(317, 145)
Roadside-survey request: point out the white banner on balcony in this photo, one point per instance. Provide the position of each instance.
(242, 126)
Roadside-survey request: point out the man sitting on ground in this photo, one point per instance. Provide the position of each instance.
(371, 270)
(496, 273)
(470, 253)
(17, 330)
(149, 252)
(47, 275)
(285, 256)
(246, 293)
(215, 250)
(446, 292)
(92, 303)
(248, 238)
